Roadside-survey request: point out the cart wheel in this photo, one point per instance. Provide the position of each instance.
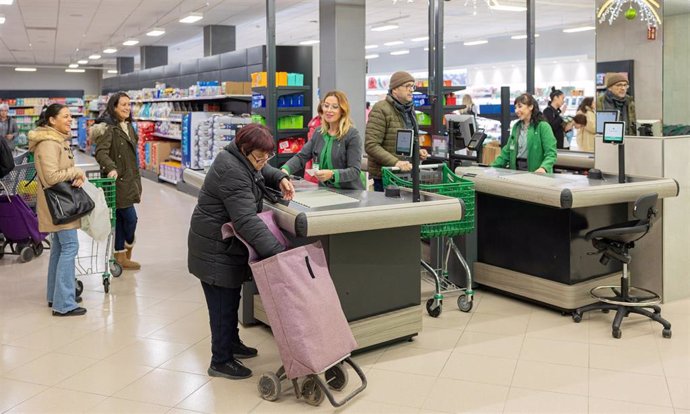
(336, 377)
(106, 285)
(666, 333)
(115, 269)
(80, 288)
(433, 312)
(577, 317)
(38, 249)
(26, 253)
(464, 304)
(269, 386)
(312, 392)
(616, 333)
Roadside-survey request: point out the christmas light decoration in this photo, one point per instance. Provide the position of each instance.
(647, 10)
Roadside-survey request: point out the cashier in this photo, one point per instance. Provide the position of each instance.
(532, 145)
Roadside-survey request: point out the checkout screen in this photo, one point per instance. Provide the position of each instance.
(613, 132)
(403, 142)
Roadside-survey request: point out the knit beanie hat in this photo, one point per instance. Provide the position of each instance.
(614, 78)
(398, 79)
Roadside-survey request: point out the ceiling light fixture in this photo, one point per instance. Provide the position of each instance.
(522, 36)
(400, 52)
(394, 43)
(578, 29)
(192, 18)
(384, 27)
(75, 70)
(156, 31)
(476, 42)
(611, 9)
(2, 19)
(308, 42)
(6, 2)
(372, 56)
(83, 62)
(110, 50)
(73, 65)
(25, 69)
(493, 5)
(130, 42)
(367, 47)
(420, 39)
(113, 71)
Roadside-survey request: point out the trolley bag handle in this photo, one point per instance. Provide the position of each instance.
(421, 167)
(228, 230)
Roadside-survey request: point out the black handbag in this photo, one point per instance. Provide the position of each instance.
(67, 203)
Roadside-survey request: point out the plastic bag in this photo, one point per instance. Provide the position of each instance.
(97, 223)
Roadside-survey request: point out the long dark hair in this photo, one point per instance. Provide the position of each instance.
(113, 101)
(588, 102)
(555, 93)
(527, 100)
(48, 112)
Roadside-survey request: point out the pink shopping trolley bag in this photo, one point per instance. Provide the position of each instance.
(302, 306)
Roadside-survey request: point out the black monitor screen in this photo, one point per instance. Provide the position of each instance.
(614, 132)
(403, 142)
(605, 116)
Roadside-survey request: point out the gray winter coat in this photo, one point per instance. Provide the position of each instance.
(346, 159)
(231, 193)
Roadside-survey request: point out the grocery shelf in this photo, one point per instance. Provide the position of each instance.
(159, 135)
(195, 98)
(283, 110)
(157, 119)
(167, 180)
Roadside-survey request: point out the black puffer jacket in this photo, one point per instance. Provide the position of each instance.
(231, 193)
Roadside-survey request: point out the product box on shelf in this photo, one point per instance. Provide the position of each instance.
(205, 134)
(159, 151)
(237, 88)
(171, 171)
(290, 145)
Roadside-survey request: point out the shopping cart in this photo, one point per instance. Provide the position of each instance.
(100, 257)
(438, 178)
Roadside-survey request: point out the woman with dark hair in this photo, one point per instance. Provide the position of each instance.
(531, 145)
(116, 143)
(54, 163)
(552, 113)
(233, 191)
(585, 135)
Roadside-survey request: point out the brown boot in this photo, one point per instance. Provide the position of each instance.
(128, 251)
(121, 258)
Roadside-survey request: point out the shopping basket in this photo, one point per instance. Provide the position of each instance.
(100, 258)
(439, 179)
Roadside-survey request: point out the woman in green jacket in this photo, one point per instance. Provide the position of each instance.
(532, 145)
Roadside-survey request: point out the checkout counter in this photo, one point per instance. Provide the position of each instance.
(372, 247)
(573, 161)
(530, 230)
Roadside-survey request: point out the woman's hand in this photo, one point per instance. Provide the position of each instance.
(540, 170)
(112, 174)
(324, 175)
(287, 188)
(423, 154)
(79, 179)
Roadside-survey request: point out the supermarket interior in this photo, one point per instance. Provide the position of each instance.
(356, 206)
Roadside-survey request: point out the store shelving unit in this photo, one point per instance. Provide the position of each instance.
(437, 126)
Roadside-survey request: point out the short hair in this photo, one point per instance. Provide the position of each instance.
(4, 107)
(580, 119)
(254, 137)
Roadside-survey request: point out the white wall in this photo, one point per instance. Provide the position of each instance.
(55, 79)
(676, 59)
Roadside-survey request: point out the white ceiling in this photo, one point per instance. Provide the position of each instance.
(63, 31)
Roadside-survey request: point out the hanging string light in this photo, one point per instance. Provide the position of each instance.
(611, 9)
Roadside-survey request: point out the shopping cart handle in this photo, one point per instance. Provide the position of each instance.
(421, 167)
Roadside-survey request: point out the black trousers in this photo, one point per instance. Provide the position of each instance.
(223, 305)
(378, 184)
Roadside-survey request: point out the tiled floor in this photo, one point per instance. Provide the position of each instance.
(144, 348)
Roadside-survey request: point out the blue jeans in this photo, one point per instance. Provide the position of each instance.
(125, 226)
(61, 290)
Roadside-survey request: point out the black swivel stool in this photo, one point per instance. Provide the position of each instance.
(614, 242)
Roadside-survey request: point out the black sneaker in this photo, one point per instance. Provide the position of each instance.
(233, 369)
(74, 312)
(78, 299)
(241, 351)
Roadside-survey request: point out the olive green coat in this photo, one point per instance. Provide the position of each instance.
(380, 135)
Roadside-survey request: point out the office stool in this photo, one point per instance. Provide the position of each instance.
(615, 242)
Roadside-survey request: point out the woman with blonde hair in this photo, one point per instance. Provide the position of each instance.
(336, 147)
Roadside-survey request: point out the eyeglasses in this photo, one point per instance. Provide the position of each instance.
(409, 87)
(264, 159)
(326, 106)
(622, 85)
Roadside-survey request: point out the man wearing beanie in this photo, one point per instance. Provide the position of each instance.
(385, 119)
(616, 98)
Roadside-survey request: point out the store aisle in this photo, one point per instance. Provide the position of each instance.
(144, 348)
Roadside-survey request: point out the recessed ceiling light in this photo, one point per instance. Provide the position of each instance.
(192, 18)
(95, 57)
(420, 39)
(394, 43)
(2, 19)
(384, 27)
(25, 69)
(156, 31)
(367, 47)
(73, 65)
(75, 70)
(522, 36)
(426, 49)
(499, 7)
(6, 2)
(578, 29)
(82, 62)
(308, 42)
(110, 50)
(372, 56)
(113, 71)
(476, 42)
(400, 52)
(130, 42)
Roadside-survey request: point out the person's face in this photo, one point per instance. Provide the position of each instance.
(3, 113)
(259, 158)
(558, 101)
(332, 112)
(62, 122)
(523, 112)
(122, 108)
(620, 89)
(403, 93)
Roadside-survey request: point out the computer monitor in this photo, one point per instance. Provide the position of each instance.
(403, 142)
(605, 116)
(614, 132)
(461, 128)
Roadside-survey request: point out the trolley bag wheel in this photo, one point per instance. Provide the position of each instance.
(269, 386)
(26, 253)
(464, 304)
(433, 312)
(616, 333)
(577, 317)
(337, 377)
(312, 392)
(2, 249)
(106, 285)
(80, 288)
(115, 269)
(38, 249)
(666, 333)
